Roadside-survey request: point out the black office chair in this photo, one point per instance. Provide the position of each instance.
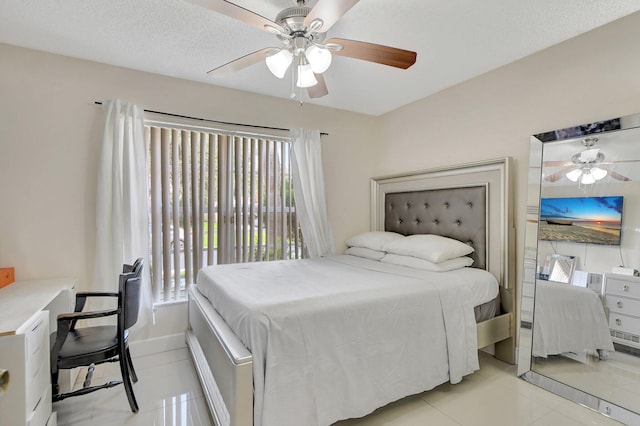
(87, 346)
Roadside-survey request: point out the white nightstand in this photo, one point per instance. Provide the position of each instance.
(622, 299)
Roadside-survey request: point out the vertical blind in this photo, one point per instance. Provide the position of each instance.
(217, 198)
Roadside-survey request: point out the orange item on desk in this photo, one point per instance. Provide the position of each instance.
(7, 276)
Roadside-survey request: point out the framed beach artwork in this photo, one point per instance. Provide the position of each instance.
(590, 220)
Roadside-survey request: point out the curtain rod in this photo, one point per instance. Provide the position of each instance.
(215, 121)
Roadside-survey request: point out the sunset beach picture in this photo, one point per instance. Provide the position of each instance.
(591, 220)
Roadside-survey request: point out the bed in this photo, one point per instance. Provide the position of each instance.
(569, 319)
(365, 342)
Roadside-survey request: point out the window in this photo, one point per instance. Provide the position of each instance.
(217, 198)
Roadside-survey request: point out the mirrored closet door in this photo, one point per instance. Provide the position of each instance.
(580, 310)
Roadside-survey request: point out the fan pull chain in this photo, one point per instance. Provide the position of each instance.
(294, 70)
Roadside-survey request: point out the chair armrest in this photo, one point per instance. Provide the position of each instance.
(81, 298)
(96, 293)
(75, 316)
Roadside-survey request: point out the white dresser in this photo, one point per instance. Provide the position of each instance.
(28, 310)
(622, 299)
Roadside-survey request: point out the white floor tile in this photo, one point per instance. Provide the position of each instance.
(497, 402)
(410, 411)
(179, 412)
(169, 393)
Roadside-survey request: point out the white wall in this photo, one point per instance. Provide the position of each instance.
(593, 77)
(50, 131)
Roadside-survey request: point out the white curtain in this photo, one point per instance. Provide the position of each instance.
(122, 219)
(308, 187)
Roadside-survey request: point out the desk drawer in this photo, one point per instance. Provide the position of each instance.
(37, 361)
(37, 382)
(622, 305)
(35, 334)
(42, 411)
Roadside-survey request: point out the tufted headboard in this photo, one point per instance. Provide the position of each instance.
(491, 215)
(459, 213)
(468, 202)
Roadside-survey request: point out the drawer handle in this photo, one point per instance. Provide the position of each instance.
(4, 380)
(618, 321)
(619, 304)
(36, 406)
(626, 287)
(36, 327)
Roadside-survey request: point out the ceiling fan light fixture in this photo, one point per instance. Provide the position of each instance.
(574, 175)
(279, 63)
(306, 77)
(587, 178)
(319, 58)
(598, 173)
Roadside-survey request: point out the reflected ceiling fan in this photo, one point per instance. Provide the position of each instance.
(301, 31)
(585, 167)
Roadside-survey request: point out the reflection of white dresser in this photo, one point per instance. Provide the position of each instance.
(27, 312)
(622, 299)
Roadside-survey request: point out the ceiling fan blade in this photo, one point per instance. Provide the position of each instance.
(329, 11)
(241, 63)
(371, 52)
(320, 89)
(617, 176)
(555, 176)
(557, 163)
(238, 12)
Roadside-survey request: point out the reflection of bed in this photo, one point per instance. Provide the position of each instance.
(388, 342)
(568, 319)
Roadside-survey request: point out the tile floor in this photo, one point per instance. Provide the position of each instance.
(169, 394)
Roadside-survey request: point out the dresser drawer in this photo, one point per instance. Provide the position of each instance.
(622, 287)
(624, 323)
(622, 305)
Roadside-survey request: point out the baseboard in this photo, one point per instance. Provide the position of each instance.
(157, 344)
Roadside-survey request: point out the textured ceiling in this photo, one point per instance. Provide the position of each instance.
(455, 40)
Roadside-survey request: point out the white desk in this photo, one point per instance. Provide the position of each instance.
(28, 309)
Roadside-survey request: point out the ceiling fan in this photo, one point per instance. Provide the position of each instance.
(301, 31)
(585, 166)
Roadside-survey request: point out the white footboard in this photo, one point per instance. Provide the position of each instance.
(223, 364)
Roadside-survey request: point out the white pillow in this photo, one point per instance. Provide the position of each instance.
(433, 248)
(414, 262)
(365, 252)
(374, 240)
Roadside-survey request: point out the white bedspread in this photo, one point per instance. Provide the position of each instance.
(568, 319)
(337, 337)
